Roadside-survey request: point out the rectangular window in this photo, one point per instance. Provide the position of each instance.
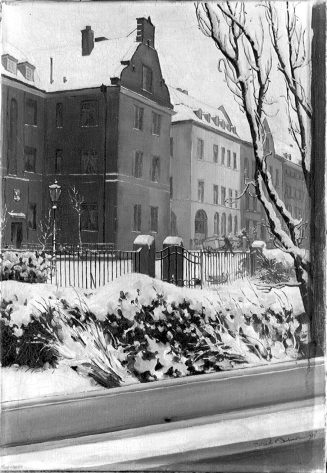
(236, 199)
(156, 123)
(154, 220)
(254, 203)
(147, 79)
(230, 197)
(200, 149)
(89, 217)
(89, 162)
(30, 159)
(171, 146)
(155, 169)
(277, 178)
(89, 113)
(138, 117)
(200, 191)
(228, 159)
(138, 164)
(215, 194)
(215, 153)
(223, 195)
(58, 162)
(31, 216)
(137, 218)
(171, 187)
(234, 161)
(223, 156)
(30, 112)
(59, 115)
(247, 226)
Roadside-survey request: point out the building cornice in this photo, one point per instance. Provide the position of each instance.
(146, 101)
(208, 128)
(7, 80)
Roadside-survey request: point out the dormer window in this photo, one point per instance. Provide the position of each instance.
(27, 70)
(198, 113)
(9, 63)
(207, 116)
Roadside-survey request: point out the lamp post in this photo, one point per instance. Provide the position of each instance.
(55, 191)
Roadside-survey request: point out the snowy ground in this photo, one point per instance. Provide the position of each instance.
(19, 383)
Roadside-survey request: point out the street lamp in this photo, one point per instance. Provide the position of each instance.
(55, 191)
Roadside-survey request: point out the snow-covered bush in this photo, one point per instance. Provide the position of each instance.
(273, 271)
(31, 267)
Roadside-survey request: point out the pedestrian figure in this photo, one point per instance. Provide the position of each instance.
(228, 245)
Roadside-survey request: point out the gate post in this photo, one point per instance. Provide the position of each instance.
(173, 263)
(255, 249)
(146, 263)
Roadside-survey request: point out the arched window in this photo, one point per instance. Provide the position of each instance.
(173, 224)
(246, 167)
(230, 224)
(223, 224)
(12, 142)
(216, 224)
(201, 224)
(235, 225)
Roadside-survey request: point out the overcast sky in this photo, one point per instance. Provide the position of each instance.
(188, 59)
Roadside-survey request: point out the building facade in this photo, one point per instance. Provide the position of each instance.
(108, 142)
(205, 168)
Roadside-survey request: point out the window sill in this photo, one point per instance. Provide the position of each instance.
(89, 126)
(31, 124)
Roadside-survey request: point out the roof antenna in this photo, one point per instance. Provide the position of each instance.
(51, 70)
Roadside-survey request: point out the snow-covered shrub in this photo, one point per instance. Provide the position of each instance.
(272, 271)
(31, 267)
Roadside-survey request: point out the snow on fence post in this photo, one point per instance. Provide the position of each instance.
(146, 262)
(173, 261)
(255, 249)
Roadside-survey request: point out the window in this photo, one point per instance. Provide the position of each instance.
(12, 139)
(230, 196)
(30, 159)
(173, 224)
(156, 123)
(137, 218)
(155, 169)
(235, 225)
(171, 146)
(89, 162)
(247, 201)
(255, 229)
(9, 63)
(89, 217)
(234, 161)
(58, 161)
(171, 187)
(147, 79)
(215, 153)
(59, 115)
(89, 113)
(276, 178)
(223, 224)
(230, 224)
(201, 223)
(255, 201)
(138, 164)
(216, 224)
(215, 194)
(236, 199)
(31, 216)
(223, 156)
(246, 168)
(138, 117)
(223, 195)
(200, 149)
(200, 191)
(228, 159)
(30, 112)
(29, 73)
(154, 220)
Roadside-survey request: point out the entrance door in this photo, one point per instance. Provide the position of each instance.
(17, 234)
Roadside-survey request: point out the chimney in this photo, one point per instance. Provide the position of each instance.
(145, 31)
(87, 41)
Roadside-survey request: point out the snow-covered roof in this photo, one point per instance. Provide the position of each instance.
(71, 70)
(191, 108)
(287, 151)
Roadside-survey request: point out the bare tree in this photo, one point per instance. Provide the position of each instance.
(247, 64)
(45, 231)
(77, 201)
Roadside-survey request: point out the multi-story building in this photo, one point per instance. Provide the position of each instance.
(205, 169)
(105, 131)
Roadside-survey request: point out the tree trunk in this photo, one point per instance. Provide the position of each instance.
(317, 282)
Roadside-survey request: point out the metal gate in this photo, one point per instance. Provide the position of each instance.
(176, 265)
